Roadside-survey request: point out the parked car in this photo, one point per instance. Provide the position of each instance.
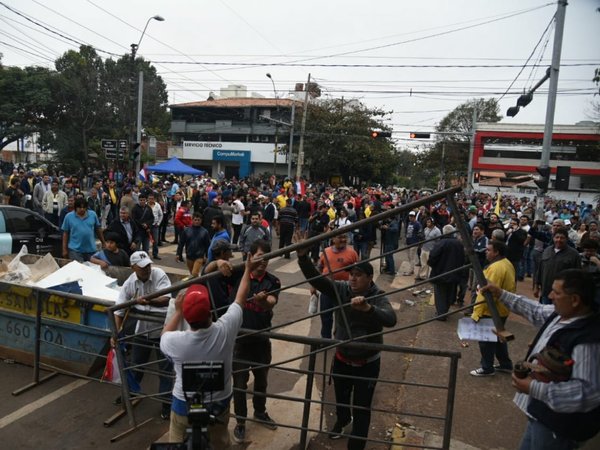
(21, 226)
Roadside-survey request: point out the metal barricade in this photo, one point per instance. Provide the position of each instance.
(316, 346)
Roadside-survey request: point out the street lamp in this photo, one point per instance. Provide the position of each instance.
(276, 127)
(135, 146)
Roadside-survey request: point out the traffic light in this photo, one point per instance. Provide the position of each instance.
(135, 151)
(381, 134)
(513, 111)
(525, 99)
(544, 179)
(415, 135)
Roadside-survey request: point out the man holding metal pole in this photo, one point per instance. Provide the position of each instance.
(355, 371)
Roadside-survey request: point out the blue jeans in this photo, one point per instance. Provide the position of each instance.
(141, 355)
(303, 223)
(362, 248)
(524, 267)
(79, 256)
(389, 259)
(537, 436)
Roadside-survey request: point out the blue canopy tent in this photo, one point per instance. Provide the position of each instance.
(175, 167)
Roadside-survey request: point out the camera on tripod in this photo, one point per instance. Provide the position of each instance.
(202, 378)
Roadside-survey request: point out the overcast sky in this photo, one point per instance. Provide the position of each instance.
(330, 39)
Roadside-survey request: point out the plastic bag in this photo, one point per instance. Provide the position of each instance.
(313, 303)
(17, 271)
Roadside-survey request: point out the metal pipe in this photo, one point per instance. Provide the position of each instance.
(38, 337)
(468, 245)
(307, 397)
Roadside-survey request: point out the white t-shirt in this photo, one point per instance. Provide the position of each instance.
(238, 218)
(214, 343)
(134, 288)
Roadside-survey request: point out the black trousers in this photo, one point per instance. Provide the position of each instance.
(245, 357)
(360, 391)
(286, 232)
(445, 295)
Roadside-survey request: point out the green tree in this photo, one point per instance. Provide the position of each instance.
(338, 142)
(98, 99)
(121, 87)
(26, 104)
(83, 108)
(455, 147)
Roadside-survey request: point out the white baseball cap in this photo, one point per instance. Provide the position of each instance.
(140, 259)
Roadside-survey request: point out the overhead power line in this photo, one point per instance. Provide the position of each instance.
(529, 57)
(47, 28)
(400, 66)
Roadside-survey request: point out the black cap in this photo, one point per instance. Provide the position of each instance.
(365, 267)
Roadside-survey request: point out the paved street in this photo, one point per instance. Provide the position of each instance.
(69, 413)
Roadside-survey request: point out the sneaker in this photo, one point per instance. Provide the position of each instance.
(482, 373)
(165, 413)
(265, 420)
(499, 368)
(339, 429)
(156, 257)
(239, 433)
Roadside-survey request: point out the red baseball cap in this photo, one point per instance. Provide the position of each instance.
(196, 304)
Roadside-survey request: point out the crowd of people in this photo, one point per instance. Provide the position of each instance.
(212, 218)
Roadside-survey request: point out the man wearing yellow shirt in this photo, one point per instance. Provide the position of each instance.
(281, 200)
(501, 272)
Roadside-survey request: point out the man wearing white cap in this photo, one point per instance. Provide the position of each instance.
(144, 281)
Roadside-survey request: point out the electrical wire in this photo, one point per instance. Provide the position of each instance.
(47, 28)
(533, 72)
(442, 33)
(20, 41)
(40, 44)
(154, 39)
(397, 66)
(530, 56)
(81, 25)
(25, 51)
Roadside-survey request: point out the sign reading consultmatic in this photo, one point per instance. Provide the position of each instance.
(244, 153)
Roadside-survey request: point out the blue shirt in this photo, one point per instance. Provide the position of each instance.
(82, 231)
(220, 235)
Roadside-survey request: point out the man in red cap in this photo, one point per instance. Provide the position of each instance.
(205, 341)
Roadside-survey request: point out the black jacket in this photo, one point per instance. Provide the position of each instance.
(123, 243)
(196, 242)
(448, 254)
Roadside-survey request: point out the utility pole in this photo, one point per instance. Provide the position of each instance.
(469, 186)
(291, 146)
(139, 122)
(551, 105)
(301, 147)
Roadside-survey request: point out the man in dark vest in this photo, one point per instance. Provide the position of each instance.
(561, 392)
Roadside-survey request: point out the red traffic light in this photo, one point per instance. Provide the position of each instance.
(415, 135)
(381, 134)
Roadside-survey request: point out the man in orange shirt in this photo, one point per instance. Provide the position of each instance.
(337, 256)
